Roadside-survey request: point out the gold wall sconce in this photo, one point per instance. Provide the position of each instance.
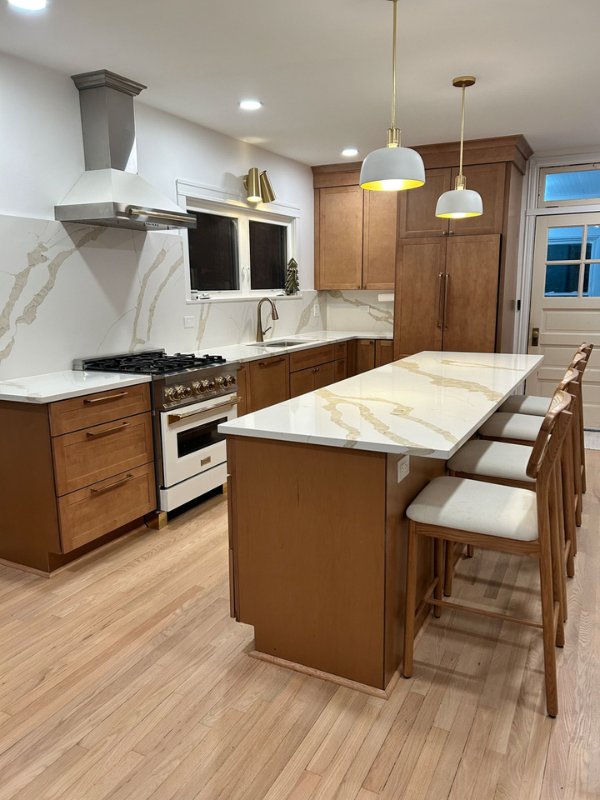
(258, 186)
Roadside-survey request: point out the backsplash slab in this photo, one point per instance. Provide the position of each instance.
(359, 311)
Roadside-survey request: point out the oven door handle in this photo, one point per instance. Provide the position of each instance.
(172, 418)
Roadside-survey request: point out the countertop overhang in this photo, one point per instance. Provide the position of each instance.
(428, 404)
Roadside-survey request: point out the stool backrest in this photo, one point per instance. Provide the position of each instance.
(550, 438)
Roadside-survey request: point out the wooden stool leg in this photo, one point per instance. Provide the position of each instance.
(582, 442)
(411, 599)
(470, 550)
(558, 559)
(449, 571)
(577, 461)
(439, 574)
(548, 627)
(568, 506)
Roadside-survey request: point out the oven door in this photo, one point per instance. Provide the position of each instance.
(191, 442)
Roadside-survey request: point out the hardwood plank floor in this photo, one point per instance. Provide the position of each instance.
(123, 678)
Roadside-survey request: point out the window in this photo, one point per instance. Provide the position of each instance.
(578, 248)
(268, 255)
(236, 252)
(213, 247)
(564, 186)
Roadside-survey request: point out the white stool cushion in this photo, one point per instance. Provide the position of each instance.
(477, 507)
(527, 404)
(502, 425)
(493, 460)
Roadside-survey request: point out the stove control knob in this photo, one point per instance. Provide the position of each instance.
(187, 392)
(178, 392)
(220, 382)
(229, 380)
(196, 389)
(170, 394)
(211, 385)
(204, 386)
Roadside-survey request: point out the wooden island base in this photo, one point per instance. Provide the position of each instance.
(318, 541)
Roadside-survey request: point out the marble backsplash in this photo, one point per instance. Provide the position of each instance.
(72, 291)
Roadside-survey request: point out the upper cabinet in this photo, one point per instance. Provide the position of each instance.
(417, 206)
(355, 233)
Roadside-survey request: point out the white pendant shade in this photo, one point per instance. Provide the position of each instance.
(392, 169)
(458, 204)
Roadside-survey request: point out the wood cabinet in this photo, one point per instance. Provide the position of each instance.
(311, 357)
(365, 355)
(311, 379)
(243, 390)
(340, 370)
(81, 472)
(490, 181)
(446, 294)
(355, 233)
(340, 240)
(384, 352)
(417, 207)
(269, 381)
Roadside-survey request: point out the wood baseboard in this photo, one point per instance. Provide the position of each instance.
(24, 568)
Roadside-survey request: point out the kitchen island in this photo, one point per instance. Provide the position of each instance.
(318, 489)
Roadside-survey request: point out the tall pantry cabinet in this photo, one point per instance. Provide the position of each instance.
(455, 281)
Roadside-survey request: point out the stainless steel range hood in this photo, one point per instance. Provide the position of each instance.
(110, 192)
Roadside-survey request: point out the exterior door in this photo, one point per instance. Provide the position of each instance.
(471, 293)
(565, 304)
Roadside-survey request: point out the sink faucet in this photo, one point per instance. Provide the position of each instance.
(260, 334)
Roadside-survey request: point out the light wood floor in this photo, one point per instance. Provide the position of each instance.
(124, 678)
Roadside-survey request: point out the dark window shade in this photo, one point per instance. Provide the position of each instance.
(214, 254)
(268, 255)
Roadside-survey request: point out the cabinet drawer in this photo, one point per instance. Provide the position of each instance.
(324, 375)
(269, 382)
(341, 350)
(341, 370)
(302, 382)
(384, 352)
(96, 510)
(94, 409)
(312, 357)
(91, 455)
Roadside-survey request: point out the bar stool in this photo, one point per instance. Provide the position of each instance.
(501, 518)
(506, 464)
(524, 428)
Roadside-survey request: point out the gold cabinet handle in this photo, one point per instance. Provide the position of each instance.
(107, 431)
(90, 400)
(446, 293)
(190, 414)
(110, 486)
(271, 362)
(439, 301)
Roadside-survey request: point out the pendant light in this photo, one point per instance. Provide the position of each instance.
(460, 202)
(393, 168)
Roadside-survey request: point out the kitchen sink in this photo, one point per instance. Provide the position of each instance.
(282, 343)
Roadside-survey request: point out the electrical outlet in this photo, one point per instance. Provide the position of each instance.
(364, 308)
(403, 468)
(316, 310)
(188, 322)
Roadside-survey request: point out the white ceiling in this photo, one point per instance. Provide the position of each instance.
(322, 67)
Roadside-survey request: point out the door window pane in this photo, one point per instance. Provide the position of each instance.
(591, 280)
(592, 249)
(562, 280)
(213, 248)
(564, 244)
(268, 255)
(583, 185)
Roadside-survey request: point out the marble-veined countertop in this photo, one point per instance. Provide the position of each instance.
(55, 386)
(428, 404)
(64, 385)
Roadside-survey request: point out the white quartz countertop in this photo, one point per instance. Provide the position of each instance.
(428, 404)
(251, 352)
(71, 383)
(63, 385)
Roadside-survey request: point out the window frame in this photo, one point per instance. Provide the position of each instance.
(221, 204)
(545, 171)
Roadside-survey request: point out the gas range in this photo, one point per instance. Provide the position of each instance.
(178, 380)
(191, 396)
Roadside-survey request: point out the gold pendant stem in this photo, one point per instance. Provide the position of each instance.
(462, 133)
(394, 67)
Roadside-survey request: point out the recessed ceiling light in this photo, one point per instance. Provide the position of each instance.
(350, 151)
(29, 5)
(250, 105)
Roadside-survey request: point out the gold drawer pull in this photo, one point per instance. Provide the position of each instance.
(107, 431)
(89, 400)
(271, 362)
(110, 486)
(171, 418)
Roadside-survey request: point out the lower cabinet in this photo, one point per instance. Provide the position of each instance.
(384, 352)
(243, 391)
(269, 381)
(308, 380)
(341, 370)
(365, 355)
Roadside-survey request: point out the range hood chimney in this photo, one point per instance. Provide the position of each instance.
(110, 192)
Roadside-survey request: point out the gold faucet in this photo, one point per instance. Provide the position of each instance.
(260, 334)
